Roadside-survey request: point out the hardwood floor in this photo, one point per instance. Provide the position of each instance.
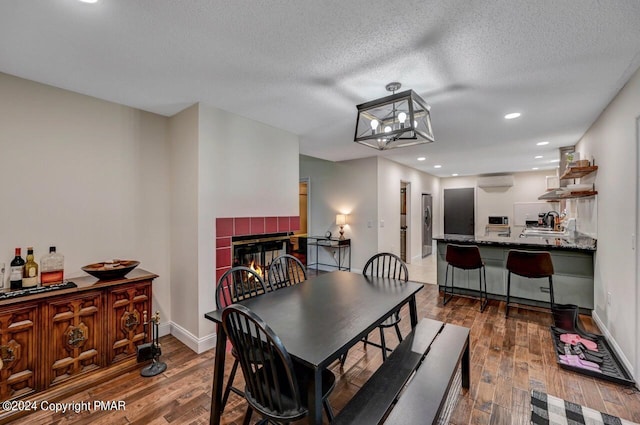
(509, 358)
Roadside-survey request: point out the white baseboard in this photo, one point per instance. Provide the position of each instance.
(199, 345)
(164, 329)
(612, 342)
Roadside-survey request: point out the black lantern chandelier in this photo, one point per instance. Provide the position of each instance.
(394, 121)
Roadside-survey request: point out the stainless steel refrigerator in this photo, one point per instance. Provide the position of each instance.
(427, 228)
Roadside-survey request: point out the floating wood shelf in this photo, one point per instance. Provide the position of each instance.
(578, 172)
(553, 196)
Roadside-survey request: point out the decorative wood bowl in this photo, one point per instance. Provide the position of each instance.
(110, 271)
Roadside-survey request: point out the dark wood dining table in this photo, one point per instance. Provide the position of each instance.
(318, 320)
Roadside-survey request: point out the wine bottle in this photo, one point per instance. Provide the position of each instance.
(52, 271)
(30, 273)
(15, 276)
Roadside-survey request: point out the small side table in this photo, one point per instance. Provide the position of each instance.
(341, 247)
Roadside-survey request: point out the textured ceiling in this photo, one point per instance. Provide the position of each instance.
(303, 66)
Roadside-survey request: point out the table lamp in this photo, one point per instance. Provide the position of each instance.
(341, 220)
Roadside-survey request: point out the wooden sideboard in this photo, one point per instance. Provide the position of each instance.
(57, 343)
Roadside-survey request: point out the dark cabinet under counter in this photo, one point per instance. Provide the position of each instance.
(573, 262)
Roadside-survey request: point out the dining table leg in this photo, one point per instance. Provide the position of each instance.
(315, 398)
(413, 311)
(218, 376)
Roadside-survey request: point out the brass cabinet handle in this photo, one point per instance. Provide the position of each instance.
(76, 335)
(130, 319)
(6, 354)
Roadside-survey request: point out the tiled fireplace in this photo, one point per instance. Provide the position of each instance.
(229, 227)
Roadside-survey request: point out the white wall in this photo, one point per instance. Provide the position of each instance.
(612, 142)
(85, 175)
(245, 169)
(369, 191)
(390, 176)
(183, 135)
(527, 187)
(347, 187)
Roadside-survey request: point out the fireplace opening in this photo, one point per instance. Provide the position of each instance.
(258, 251)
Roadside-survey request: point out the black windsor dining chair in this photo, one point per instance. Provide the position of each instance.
(237, 284)
(390, 266)
(276, 387)
(286, 270)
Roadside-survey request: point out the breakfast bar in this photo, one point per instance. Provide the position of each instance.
(573, 260)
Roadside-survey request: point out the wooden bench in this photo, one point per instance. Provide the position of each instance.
(412, 385)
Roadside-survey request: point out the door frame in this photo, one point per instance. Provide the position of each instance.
(637, 248)
(307, 180)
(407, 252)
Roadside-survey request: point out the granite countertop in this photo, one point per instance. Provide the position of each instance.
(578, 243)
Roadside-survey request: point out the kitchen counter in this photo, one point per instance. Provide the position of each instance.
(572, 261)
(578, 243)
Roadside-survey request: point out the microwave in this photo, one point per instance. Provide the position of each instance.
(498, 219)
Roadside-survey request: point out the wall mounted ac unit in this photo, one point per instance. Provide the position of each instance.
(495, 181)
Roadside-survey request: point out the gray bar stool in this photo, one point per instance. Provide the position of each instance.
(465, 257)
(530, 264)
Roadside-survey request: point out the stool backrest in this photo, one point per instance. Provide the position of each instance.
(463, 256)
(530, 263)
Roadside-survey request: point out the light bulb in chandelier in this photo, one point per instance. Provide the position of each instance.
(374, 126)
(387, 129)
(402, 117)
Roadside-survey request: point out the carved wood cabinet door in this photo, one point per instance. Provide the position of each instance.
(18, 351)
(74, 343)
(127, 306)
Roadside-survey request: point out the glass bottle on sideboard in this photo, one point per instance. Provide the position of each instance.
(30, 273)
(52, 271)
(15, 276)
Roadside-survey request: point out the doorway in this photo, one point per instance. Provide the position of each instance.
(637, 248)
(403, 221)
(299, 239)
(427, 221)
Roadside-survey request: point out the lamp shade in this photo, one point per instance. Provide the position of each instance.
(341, 219)
(397, 120)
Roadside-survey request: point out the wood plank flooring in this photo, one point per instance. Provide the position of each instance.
(509, 358)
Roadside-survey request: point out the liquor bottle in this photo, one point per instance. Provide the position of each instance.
(30, 273)
(52, 267)
(15, 276)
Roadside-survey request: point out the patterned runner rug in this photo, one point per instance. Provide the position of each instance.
(549, 410)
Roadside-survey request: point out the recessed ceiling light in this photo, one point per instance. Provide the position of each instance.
(555, 160)
(512, 115)
(437, 166)
(534, 168)
(537, 157)
(542, 143)
(89, 1)
(421, 158)
(455, 174)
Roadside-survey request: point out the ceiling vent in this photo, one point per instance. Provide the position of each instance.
(496, 181)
